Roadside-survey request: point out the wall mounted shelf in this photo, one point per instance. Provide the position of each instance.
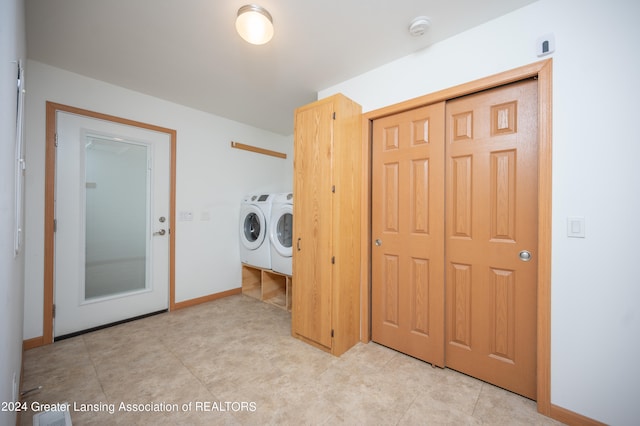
(251, 148)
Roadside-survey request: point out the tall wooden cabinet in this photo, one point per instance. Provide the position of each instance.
(326, 224)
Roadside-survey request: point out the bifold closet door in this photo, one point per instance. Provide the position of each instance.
(408, 233)
(491, 236)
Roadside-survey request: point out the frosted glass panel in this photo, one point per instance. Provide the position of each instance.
(116, 239)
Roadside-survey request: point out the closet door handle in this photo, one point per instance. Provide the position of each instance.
(524, 255)
(298, 244)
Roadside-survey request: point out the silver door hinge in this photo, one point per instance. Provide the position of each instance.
(55, 140)
(333, 189)
(55, 225)
(334, 115)
(53, 311)
(333, 260)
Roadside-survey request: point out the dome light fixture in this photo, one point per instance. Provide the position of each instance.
(254, 24)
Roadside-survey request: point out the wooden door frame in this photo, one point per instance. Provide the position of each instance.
(543, 72)
(49, 203)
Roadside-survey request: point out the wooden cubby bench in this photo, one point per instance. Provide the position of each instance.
(267, 286)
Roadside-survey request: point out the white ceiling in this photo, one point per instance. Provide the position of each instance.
(187, 51)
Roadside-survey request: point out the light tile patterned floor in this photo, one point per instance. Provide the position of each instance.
(233, 361)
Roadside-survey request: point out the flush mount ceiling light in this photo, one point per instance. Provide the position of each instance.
(419, 26)
(254, 24)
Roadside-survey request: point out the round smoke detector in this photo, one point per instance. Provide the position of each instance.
(419, 26)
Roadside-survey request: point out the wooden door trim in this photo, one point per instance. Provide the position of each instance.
(49, 203)
(541, 70)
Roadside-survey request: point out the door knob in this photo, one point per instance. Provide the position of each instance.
(525, 256)
(378, 242)
(160, 232)
(162, 219)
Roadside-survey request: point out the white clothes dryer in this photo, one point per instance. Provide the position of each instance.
(255, 248)
(281, 233)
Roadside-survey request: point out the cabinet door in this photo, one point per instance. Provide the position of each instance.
(313, 147)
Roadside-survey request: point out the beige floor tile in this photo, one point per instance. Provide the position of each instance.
(233, 362)
(70, 352)
(455, 389)
(499, 407)
(427, 411)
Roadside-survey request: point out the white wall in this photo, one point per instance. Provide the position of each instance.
(12, 48)
(595, 367)
(212, 178)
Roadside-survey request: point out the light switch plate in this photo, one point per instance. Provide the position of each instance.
(575, 227)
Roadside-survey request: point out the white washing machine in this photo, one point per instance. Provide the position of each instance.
(281, 232)
(255, 248)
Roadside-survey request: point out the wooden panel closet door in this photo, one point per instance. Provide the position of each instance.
(312, 225)
(491, 205)
(408, 231)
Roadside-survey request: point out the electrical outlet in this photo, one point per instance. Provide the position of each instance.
(185, 216)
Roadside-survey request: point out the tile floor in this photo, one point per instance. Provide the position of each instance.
(233, 361)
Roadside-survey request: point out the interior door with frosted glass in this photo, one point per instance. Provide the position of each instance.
(112, 222)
